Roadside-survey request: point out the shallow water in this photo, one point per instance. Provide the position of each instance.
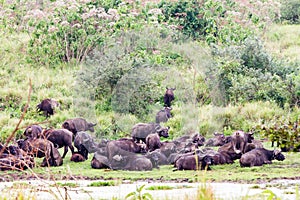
(283, 189)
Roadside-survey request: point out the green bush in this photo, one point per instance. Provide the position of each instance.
(290, 11)
(248, 73)
(68, 32)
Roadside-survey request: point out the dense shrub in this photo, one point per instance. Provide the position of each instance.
(248, 73)
(284, 132)
(68, 31)
(126, 74)
(290, 11)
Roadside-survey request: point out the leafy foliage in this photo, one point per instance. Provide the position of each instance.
(138, 194)
(248, 73)
(284, 131)
(68, 32)
(290, 11)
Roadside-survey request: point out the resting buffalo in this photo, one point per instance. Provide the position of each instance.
(78, 124)
(47, 106)
(240, 140)
(169, 96)
(195, 138)
(228, 151)
(167, 148)
(85, 144)
(219, 139)
(157, 158)
(60, 138)
(193, 162)
(77, 157)
(153, 141)
(260, 156)
(141, 130)
(11, 162)
(163, 115)
(221, 157)
(33, 131)
(125, 160)
(128, 144)
(100, 162)
(42, 148)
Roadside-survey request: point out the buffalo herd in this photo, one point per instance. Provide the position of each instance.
(144, 150)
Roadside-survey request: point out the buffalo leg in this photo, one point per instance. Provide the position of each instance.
(65, 152)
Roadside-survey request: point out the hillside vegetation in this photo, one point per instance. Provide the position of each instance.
(233, 66)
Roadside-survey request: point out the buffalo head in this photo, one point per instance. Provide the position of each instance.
(164, 132)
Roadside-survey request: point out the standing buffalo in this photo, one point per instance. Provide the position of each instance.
(163, 115)
(141, 130)
(60, 138)
(169, 96)
(260, 156)
(78, 124)
(47, 106)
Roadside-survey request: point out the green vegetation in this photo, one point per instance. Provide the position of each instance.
(139, 194)
(102, 183)
(110, 61)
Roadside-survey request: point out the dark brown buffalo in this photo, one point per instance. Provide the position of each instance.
(221, 157)
(229, 152)
(240, 140)
(167, 148)
(219, 139)
(85, 144)
(78, 124)
(77, 157)
(193, 162)
(260, 156)
(163, 115)
(60, 138)
(128, 144)
(153, 141)
(42, 148)
(11, 162)
(157, 158)
(33, 131)
(141, 130)
(169, 96)
(100, 162)
(121, 159)
(194, 138)
(47, 106)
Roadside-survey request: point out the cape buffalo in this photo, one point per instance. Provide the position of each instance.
(169, 96)
(219, 139)
(78, 124)
(153, 141)
(128, 144)
(193, 162)
(240, 139)
(33, 131)
(163, 115)
(42, 148)
(77, 157)
(260, 156)
(157, 158)
(60, 138)
(125, 160)
(85, 144)
(141, 130)
(47, 106)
